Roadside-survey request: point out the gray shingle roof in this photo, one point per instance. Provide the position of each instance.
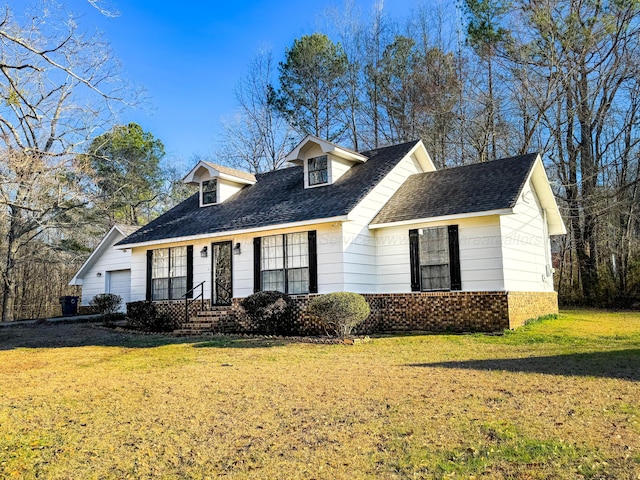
(232, 171)
(480, 187)
(277, 197)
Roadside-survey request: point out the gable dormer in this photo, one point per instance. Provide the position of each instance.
(216, 182)
(324, 162)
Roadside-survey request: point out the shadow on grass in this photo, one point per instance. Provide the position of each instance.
(620, 364)
(82, 335)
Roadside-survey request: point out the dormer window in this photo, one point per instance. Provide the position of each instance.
(209, 190)
(318, 170)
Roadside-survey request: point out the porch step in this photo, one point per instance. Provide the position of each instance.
(213, 319)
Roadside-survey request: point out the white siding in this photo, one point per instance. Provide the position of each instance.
(360, 270)
(110, 260)
(330, 273)
(227, 189)
(480, 255)
(526, 246)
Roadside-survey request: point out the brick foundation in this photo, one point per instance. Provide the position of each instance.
(525, 306)
(175, 308)
(438, 311)
(425, 311)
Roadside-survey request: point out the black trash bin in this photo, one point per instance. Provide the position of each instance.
(69, 304)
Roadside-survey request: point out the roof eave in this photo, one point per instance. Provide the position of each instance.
(538, 175)
(227, 233)
(442, 218)
(326, 147)
(77, 278)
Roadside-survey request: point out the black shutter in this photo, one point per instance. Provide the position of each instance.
(454, 258)
(149, 274)
(414, 259)
(313, 262)
(189, 271)
(257, 247)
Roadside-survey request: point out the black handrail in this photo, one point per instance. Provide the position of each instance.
(188, 301)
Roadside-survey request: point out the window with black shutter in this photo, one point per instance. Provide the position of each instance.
(435, 259)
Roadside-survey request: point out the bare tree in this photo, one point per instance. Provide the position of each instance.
(57, 85)
(257, 138)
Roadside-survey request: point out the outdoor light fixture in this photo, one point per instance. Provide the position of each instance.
(236, 249)
(203, 252)
(98, 274)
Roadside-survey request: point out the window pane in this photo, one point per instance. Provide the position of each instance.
(160, 289)
(178, 262)
(318, 172)
(435, 277)
(298, 250)
(160, 263)
(273, 280)
(272, 252)
(209, 192)
(298, 279)
(434, 246)
(178, 287)
(434, 259)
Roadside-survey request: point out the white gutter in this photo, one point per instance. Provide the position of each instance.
(342, 218)
(443, 218)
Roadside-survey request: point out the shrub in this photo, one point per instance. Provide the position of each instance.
(144, 316)
(339, 312)
(107, 305)
(270, 312)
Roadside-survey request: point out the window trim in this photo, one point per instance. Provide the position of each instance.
(188, 277)
(202, 192)
(312, 263)
(308, 171)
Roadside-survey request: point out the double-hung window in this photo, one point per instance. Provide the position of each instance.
(169, 273)
(435, 259)
(318, 170)
(284, 263)
(209, 188)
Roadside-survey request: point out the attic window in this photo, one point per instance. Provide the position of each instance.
(209, 188)
(318, 173)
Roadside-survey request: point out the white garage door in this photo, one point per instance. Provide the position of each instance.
(119, 282)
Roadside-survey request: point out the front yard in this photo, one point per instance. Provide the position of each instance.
(556, 399)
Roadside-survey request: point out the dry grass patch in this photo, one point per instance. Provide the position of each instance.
(555, 399)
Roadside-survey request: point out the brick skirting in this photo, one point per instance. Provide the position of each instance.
(525, 306)
(175, 308)
(424, 311)
(438, 311)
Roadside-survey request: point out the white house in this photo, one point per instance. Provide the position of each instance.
(107, 270)
(464, 248)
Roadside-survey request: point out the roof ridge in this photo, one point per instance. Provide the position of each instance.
(514, 157)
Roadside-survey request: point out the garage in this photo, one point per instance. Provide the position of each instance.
(119, 283)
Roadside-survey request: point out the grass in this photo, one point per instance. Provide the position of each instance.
(558, 398)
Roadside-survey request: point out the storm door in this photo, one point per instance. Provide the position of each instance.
(221, 277)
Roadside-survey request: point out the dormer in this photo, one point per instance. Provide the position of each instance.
(216, 182)
(323, 161)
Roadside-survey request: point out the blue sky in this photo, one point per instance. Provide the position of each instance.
(189, 56)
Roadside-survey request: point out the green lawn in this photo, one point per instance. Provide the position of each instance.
(555, 399)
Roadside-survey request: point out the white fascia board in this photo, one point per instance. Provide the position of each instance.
(189, 177)
(420, 151)
(234, 179)
(326, 147)
(77, 278)
(342, 218)
(444, 218)
(538, 175)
